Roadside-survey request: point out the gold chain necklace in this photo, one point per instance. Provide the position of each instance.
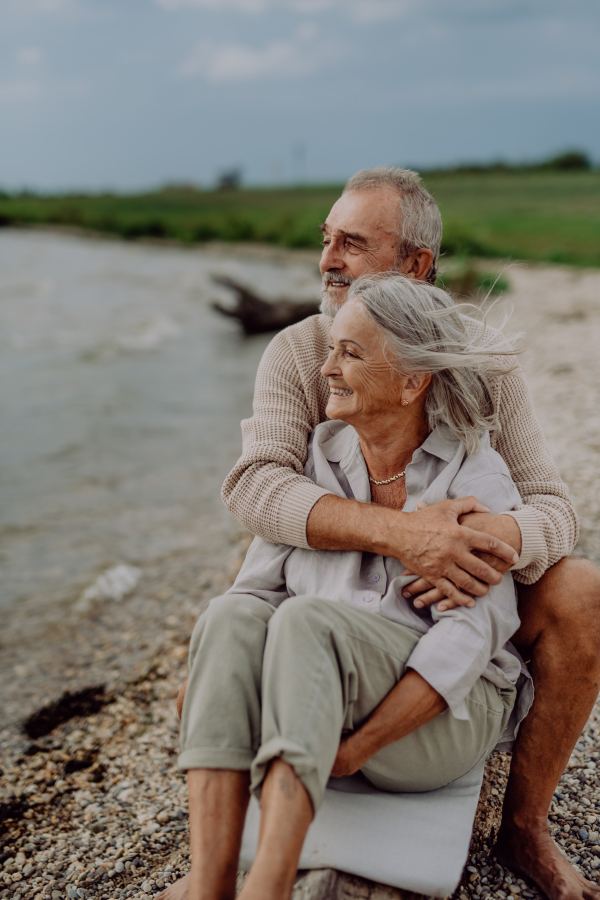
(388, 480)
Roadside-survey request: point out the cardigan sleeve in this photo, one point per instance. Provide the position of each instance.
(546, 518)
(266, 490)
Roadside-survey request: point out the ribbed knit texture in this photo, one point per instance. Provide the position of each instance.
(267, 492)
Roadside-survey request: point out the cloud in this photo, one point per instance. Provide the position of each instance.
(29, 56)
(35, 6)
(300, 55)
(27, 90)
(19, 90)
(362, 10)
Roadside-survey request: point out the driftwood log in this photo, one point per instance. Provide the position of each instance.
(257, 315)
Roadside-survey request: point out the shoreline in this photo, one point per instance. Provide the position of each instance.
(69, 783)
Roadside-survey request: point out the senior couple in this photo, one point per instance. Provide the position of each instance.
(408, 603)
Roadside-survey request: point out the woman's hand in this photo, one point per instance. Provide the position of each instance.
(412, 703)
(349, 759)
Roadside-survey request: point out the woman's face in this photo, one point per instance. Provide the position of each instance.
(362, 383)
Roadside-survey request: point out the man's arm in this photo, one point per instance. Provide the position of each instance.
(547, 519)
(429, 542)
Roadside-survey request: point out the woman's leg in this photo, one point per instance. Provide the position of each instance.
(220, 733)
(316, 656)
(328, 666)
(218, 800)
(285, 815)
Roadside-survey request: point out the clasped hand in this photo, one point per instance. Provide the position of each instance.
(455, 563)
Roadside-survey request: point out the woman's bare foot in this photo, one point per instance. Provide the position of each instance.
(532, 854)
(176, 891)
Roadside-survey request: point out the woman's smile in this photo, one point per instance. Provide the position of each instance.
(340, 392)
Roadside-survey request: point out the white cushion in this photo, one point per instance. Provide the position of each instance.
(418, 842)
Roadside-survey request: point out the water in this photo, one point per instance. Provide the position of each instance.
(121, 394)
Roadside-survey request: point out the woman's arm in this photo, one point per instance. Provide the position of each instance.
(412, 703)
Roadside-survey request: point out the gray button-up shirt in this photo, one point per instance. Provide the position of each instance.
(458, 646)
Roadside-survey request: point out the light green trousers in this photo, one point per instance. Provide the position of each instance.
(268, 683)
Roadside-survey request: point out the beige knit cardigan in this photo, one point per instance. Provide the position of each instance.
(267, 492)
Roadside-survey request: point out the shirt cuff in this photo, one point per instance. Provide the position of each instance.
(294, 510)
(533, 543)
(450, 658)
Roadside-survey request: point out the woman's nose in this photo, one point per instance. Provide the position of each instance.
(330, 367)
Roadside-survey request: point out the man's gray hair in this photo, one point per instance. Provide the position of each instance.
(420, 219)
(426, 332)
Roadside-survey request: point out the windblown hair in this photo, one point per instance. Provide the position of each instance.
(420, 222)
(427, 332)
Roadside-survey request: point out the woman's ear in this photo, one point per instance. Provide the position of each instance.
(415, 385)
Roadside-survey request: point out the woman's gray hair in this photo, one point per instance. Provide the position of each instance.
(426, 331)
(420, 222)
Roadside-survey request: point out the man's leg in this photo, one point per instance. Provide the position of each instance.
(560, 635)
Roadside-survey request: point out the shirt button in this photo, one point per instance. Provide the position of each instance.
(376, 577)
(369, 599)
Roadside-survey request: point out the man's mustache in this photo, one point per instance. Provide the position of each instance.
(328, 277)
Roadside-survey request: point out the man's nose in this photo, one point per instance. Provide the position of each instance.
(331, 258)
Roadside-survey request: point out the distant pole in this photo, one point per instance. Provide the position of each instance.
(299, 162)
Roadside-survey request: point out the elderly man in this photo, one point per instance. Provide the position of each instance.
(385, 220)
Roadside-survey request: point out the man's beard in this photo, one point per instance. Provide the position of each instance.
(330, 302)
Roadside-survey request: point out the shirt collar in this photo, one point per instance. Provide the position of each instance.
(338, 442)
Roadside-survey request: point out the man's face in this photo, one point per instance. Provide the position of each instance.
(360, 236)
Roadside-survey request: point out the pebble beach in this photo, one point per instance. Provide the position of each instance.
(91, 802)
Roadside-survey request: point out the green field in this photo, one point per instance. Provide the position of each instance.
(551, 216)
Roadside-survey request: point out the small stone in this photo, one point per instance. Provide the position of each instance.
(27, 870)
(146, 887)
(72, 892)
(81, 892)
(583, 834)
(119, 865)
(56, 895)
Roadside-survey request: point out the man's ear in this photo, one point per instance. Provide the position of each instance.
(418, 264)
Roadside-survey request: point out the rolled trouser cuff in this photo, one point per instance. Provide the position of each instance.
(215, 758)
(294, 755)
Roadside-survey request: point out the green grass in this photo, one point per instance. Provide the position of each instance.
(541, 215)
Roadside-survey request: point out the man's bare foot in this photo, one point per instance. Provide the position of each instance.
(176, 891)
(532, 854)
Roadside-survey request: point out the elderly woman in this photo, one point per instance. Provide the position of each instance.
(314, 664)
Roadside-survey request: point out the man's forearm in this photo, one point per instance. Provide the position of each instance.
(337, 524)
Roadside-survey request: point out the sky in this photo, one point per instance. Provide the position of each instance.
(133, 94)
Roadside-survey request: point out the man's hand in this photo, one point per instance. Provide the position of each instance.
(502, 526)
(429, 542)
